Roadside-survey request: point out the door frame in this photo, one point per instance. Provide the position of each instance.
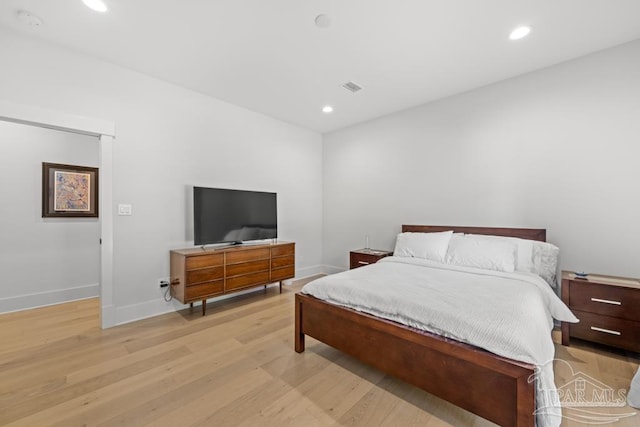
(104, 130)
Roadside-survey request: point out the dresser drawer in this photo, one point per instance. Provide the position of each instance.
(203, 290)
(283, 250)
(282, 273)
(283, 261)
(606, 330)
(204, 275)
(248, 280)
(247, 255)
(247, 267)
(614, 301)
(201, 261)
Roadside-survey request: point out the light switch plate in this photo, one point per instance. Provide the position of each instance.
(124, 209)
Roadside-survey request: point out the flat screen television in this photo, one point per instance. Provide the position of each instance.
(222, 215)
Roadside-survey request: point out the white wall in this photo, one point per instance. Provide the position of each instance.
(555, 149)
(168, 139)
(43, 260)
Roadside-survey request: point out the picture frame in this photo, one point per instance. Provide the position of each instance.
(69, 191)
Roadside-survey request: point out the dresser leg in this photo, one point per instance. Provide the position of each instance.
(204, 306)
(565, 333)
(281, 286)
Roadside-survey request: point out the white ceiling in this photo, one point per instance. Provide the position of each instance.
(269, 56)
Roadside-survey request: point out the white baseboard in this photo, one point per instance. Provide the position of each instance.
(108, 316)
(42, 299)
(112, 316)
(331, 269)
(131, 313)
(309, 271)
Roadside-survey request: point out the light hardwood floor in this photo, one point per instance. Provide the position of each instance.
(236, 366)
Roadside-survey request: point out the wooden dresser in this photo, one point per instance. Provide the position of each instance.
(198, 274)
(608, 308)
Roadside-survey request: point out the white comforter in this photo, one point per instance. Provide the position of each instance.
(509, 314)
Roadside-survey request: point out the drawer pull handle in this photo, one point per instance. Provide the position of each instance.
(606, 331)
(363, 262)
(606, 301)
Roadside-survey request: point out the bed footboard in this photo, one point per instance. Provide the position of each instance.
(490, 386)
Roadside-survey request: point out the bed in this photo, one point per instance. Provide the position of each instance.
(494, 387)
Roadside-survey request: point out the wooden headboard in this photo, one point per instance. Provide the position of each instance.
(539, 234)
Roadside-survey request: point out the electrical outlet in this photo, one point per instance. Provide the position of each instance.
(163, 282)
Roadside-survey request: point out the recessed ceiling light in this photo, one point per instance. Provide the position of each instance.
(97, 5)
(327, 109)
(519, 33)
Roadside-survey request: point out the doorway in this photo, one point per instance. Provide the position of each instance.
(103, 132)
(46, 261)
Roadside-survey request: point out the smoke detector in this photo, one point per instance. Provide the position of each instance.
(29, 19)
(352, 87)
(322, 21)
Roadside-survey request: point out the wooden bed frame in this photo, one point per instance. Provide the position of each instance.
(493, 387)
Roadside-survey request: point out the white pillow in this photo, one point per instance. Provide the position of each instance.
(488, 254)
(524, 251)
(431, 246)
(533, 256)
(545, 261)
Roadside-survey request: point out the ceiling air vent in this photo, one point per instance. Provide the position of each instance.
(352, 87)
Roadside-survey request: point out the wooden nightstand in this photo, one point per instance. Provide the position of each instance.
(608, 308)
(362, 257)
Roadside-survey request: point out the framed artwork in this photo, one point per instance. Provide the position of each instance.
(69, 191)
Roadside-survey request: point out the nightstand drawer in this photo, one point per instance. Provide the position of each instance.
(363, 257)
(606, 330)
(603, 299)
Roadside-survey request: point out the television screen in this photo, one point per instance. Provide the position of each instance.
(222, 215)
